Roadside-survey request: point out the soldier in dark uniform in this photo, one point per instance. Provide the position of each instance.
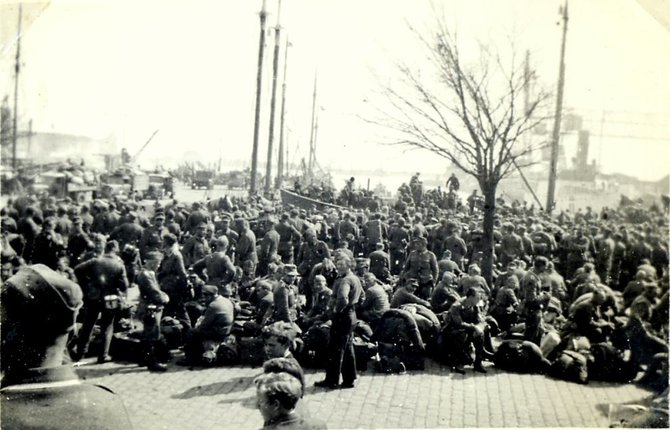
(103, 280)
(152, 237)
(150, 309)
(28, 229)
(347, 227)
(312, 252)
(196, 246)
(128, 232)
(78, 243)
(172, 279)
(198, 215)
(421, 265)
(456, 245)
(37, 391)
(284, 295)
(269, 247)
(398, 240)
(465, 325)
(49, 245)
(220, 268)
(288, 237)
(246, 244)
(380, 263)
(511, 245)
(452, 183)
(63, 224)
(223, 228)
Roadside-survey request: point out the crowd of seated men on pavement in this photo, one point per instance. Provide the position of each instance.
(578, 296)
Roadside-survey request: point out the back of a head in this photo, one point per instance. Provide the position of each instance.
(281, 388)
(286, 365)
(39, 306)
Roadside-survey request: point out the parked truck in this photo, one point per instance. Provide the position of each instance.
(203, 179)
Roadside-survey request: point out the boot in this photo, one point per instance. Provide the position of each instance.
(478, 366)
(153, 364)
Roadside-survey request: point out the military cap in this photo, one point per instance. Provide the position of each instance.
(46, 298)
(362, 262)
(290, 269)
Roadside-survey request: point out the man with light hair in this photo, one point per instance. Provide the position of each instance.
(277, 396)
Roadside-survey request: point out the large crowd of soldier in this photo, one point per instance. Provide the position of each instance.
(578, 296)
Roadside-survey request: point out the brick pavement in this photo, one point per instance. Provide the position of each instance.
(219, 398)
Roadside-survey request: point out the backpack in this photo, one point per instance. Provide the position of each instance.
(520, 356)
(570, 366)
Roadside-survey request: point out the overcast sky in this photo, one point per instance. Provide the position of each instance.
(188, 68)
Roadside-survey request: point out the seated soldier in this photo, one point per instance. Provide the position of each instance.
(39, 311)
(320, 298)
(278, 339)
(444, 295)
(213, 326)
(465, 321)
(406, 294)
(376, 300)
(504, 307)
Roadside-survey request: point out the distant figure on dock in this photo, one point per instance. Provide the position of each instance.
(452, 183)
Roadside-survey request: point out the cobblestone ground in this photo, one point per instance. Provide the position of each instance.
(217, 398)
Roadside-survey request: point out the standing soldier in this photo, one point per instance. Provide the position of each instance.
(152, 236)
(150, 309)
(78, 243)
(269, 247)
(422, 266)
(246, 244)
(223, 229)
(347, 292)
(288, 237)
(603, 256)
(104, 281)
(380, 263)
(453, 184)
(48, 245)
(173, 280)
(196, 246)
(456, 245)
(511, 245)
(219, 267)
(375, 231)
(398, 240)
(129, 232)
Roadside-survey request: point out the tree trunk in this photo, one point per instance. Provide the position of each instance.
(489, 191)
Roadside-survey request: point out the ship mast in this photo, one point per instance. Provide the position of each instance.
(273, 102)
(280, 164)
(17, 67)
(312, 134)
(257, 117)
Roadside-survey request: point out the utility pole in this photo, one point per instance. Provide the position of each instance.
(310, 162)
(280, 164)
(257, 118)
(556, 135)
(273, 102)
(17, 67)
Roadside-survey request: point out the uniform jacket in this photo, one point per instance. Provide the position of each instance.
(101, 276)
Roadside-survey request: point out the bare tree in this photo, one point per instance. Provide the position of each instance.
(472, 114)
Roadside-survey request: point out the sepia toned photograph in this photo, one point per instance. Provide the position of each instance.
(312, 214)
